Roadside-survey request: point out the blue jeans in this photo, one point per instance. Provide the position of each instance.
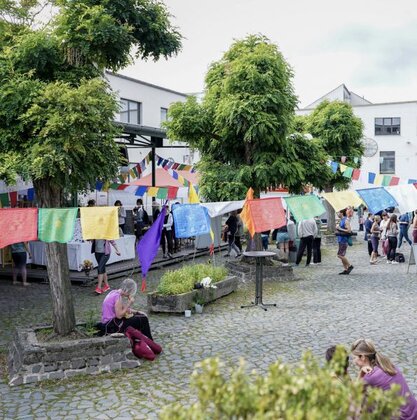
(403, 234)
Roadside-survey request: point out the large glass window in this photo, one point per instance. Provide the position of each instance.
(164, 115)
(387, 162)
(130, 111)
(387, 126)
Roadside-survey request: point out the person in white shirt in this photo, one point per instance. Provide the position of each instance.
(307, 230)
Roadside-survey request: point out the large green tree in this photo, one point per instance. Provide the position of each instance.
(57, 112)
(340, 133)
(242, 125)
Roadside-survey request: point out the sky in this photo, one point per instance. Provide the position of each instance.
(369, 45)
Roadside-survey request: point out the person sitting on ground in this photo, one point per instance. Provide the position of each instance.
(376, 370)
(19, 251)
(342, 371)
(117, 314)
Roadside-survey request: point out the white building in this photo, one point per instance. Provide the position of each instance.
(390, 134)
(146, 105)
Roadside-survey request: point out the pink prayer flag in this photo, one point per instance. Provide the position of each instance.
(395, 180)
(18, 225)
(356, 174)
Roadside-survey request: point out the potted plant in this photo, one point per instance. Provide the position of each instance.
(87, 266)
(199, 305)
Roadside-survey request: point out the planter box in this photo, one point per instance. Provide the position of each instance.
(179, 303)
(33, 361)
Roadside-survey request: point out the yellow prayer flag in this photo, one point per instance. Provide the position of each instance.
(341, 199)
(192, 195)
(342, 168)
(378, 179)
(152, 191)
(99, 223)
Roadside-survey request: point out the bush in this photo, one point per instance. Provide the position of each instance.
(305, 391)
(184, 279)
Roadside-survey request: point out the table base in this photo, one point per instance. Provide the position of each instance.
(259, 305)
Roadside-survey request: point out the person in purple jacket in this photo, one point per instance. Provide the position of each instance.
(377, 370)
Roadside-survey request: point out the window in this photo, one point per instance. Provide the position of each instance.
(387, 162)
(387, 126)
(164, 115)
(130, 111)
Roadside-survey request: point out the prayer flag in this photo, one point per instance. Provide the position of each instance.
(334, 166)
(371, 177)
(175, 175)
(31, 194)
(18, 225)
(114, 186)
(412, 181)
(122, 186)
(263, 214)
(162, 193)
(190, 220)
(132, 173)
(342, 168)
(378, 179)
(377, 199)
(148, 246)
(99, 223)
(175, 165)
(348, 172)
(172, 193)
(356, 174)
(56, 225)
(4, 200)
(13, 198)
(160, 160)
(405, 196)
(341, 199)
(305, 207)
(99, 185)
(152, 191)
(386, 180)
(192, 195)
(141, 191)
(394, 181)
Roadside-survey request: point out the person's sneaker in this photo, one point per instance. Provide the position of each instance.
(394, 262)
(170, 255)
(165, 256)
(238, 255)
(388, 262)
(98, 290)
(344, 272)
(312, 264)
(105, 288)
(227, 255)
(350, 268)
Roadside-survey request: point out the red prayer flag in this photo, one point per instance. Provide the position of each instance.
(122, 186)
(18, 225)
(13, 198)
(265, 214)
(394, 181)
(356, 174)
(172, 193)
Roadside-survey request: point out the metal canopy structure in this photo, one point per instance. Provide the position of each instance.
(142, 136)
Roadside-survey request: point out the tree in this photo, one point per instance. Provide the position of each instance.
(242, 125)
(57, 112)
(302, 391)
(340, 133)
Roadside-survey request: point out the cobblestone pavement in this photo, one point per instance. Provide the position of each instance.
(319, 309)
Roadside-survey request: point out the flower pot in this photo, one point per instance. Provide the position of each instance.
(198, 308)
(187, 313)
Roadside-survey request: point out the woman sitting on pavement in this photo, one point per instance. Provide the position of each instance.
(117, 314)
(377, 371)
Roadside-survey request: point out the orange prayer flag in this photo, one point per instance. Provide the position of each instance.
(249, 194)
(18, 225)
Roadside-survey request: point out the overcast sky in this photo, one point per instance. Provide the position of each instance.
(370, 45)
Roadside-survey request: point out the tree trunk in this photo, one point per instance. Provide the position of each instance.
(331, 219)
(50, 196)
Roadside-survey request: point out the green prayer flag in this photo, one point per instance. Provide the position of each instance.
(386, 180)
(4, 200)
(304, 207)
(162, 193)
(114, 186)
(348, 172)
(56, 225)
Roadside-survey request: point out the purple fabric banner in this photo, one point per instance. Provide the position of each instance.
(147, 248)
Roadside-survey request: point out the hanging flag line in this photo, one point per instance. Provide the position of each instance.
(372, 178)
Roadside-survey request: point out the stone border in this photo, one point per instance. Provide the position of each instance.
(32, 361)
(179, 303)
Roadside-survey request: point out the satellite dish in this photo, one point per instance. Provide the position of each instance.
(371, 147)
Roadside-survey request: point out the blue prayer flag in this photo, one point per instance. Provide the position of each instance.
(377, 199)
(190, 220)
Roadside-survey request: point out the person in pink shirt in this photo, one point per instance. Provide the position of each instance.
(376, 370)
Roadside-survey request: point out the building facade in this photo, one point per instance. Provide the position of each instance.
(390, 134)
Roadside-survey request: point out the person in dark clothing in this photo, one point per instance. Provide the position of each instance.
(231, 228)
(141, 218)
(404, 222)
(368, 225)
(265, 239)
(166, 237)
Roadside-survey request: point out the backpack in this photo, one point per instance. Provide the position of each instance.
(399, 257)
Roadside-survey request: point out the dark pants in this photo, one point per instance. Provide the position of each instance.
(392, 246)
(316, 250)
(166, 238)
(238, 243)
(139, 322)
(138, 229)
(306, 242)
(403, 234)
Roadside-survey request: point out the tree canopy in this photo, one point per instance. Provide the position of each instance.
(56, 108)
(242, 125)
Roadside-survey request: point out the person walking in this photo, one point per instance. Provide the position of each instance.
(240, 231)
(368, 226)
(317, 243)
(345, 228)
(166, 237)
(20, 251)
(392, 233)
(307, 230)
(141, 218)
(102, 250)
(374, 237)
(404, 220)
(231, 229)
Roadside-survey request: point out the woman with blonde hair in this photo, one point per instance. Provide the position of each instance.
(375, 235)
(376, 370)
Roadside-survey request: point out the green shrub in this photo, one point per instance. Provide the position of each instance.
(305, 391)
(184, 279)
